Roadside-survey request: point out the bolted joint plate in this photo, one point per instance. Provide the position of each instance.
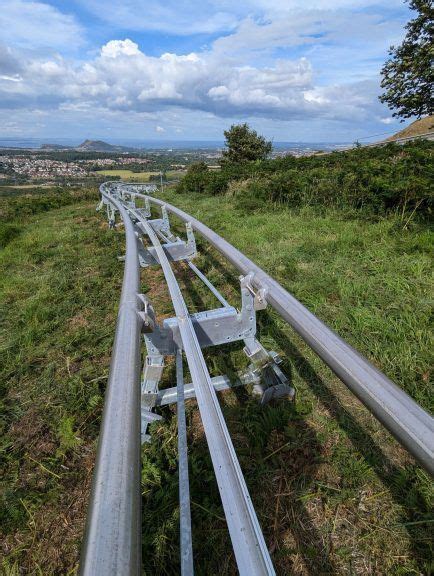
(175, 251)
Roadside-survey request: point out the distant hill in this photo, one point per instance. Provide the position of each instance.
(100, 146)
(416, 128)
(89, 146)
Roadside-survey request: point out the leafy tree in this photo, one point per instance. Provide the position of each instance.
(196, 178)
(408, 75)
(244, 145)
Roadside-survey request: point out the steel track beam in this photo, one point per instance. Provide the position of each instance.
(184, 488)
(250, 550)
(112, 541)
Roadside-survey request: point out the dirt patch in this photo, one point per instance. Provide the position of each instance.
(79, 321)
(155, 288)
(32, 434)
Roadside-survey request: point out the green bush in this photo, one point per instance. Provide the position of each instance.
(378, 179)
(196, 178)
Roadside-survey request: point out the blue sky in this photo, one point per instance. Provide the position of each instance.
(296, 70)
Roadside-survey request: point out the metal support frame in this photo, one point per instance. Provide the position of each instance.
(175, 251)
(212, 327)
(248, 542)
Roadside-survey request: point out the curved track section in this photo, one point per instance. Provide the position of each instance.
(112, 539)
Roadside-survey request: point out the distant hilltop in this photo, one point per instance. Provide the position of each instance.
(89, 146)
(100, 146)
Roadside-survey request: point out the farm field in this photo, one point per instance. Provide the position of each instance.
(140, 176)
(26, 186)
(334, 492)
(128, 174)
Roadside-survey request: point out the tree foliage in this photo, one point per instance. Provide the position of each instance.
(245, 145)
(196, 178)
(408, 75)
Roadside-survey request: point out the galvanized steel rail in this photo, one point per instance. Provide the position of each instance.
(112, 543)
(248, 542)
(112, 540)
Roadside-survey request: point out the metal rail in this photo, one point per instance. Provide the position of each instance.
(184, 488)
(112, 542)
(412, 426)
(248, 542)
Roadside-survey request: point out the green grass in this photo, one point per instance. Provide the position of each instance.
(58, 299)
(349, 489)
(334, 493)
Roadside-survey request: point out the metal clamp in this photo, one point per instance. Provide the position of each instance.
(259, 296)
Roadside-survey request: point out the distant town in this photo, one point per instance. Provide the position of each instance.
(94, 161)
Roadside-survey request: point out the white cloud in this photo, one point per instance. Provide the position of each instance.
(116, 48)
(38, 25)
(279, 60)
(122, 77)
(159, 129)
(388, 120)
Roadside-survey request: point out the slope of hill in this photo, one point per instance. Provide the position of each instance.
(416, 128)
(379, 180)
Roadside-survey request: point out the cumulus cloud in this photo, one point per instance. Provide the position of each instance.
(122, 77)
(314, 63)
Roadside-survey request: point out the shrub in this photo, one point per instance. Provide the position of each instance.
(377, 179)
(196, 178)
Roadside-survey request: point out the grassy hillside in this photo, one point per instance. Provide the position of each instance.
(333, 492)
(59, 291)
(416, 128)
